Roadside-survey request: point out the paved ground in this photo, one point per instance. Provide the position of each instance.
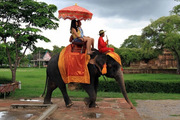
(159, 109)
(109, 109)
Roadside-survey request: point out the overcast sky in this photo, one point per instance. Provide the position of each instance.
(120, 19)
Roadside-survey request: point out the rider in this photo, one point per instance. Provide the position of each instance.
(102, 46)
(76, 33)
(82, 34)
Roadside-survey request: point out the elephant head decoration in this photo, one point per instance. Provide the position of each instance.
(54, 78)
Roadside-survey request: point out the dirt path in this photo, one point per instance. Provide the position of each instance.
(159, 109)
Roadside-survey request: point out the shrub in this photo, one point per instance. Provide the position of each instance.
(141, 86)
(4, 80)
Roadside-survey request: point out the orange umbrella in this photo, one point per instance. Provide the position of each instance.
(75, 12)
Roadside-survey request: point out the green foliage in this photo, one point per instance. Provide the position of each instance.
(139, 86)
(135, 48)
(25, 61)
(3, 56)
(4, 80)
(41, 50)
(22, 21)
(176, 10)
(129, 55)
(133, 41)
(56, 50)
(164, 33)
(152, 86)
(143, 83)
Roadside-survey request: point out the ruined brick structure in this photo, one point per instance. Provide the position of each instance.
(164, 61)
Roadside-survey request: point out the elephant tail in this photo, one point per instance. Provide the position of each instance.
(45, 86)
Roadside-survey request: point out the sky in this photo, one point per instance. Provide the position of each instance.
(119, 18)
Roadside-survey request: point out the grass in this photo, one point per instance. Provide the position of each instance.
(174, 115)
(33, 82)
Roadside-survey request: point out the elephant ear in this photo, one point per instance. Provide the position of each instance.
(100, 60)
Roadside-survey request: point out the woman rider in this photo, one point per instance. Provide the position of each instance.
(77, 37)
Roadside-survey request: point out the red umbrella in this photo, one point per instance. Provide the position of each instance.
(75, 12)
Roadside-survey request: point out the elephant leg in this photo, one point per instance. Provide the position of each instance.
(50, 88)
(90, 102)
(62, 87)
(87, 100)
(96, 83)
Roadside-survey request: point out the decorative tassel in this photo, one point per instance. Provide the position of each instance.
(121, 68)
(104, 70)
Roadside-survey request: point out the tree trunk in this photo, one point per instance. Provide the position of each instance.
(13, 69)
(178, 65)
(13, 75)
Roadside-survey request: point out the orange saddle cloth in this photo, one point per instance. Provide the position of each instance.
(73, 66)
(115, 56)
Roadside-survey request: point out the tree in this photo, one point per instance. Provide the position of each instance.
(148, 52)
(133, 41)
(24, 62)
(21, 22)
(165, 33)
(137, 49)
(56, 50)
(41, 50)
(129, 55)
(176, 10)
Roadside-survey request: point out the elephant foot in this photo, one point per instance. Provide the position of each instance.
(90, 104)
(94, 106)
(86, 101)
(69, 105)
(47, 103)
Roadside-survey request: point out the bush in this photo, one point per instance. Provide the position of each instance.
(141, 86)
(5, 80)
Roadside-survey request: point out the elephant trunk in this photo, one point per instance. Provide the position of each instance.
(119, 78)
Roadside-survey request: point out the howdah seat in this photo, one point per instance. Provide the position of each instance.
(79, 47)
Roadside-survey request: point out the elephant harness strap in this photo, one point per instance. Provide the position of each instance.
(73, 66)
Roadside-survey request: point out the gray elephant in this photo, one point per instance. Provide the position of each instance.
(54, 79)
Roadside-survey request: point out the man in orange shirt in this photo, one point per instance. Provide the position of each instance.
(102, 45)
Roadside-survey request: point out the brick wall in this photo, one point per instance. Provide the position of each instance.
(164, 61)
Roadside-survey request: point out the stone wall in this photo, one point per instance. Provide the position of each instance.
(136, 71)
(164, 61)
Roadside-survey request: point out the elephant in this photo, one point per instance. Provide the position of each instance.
(54, 79)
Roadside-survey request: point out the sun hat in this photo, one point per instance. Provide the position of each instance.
(101, 32)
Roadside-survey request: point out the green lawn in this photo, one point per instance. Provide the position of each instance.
(33, 82)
